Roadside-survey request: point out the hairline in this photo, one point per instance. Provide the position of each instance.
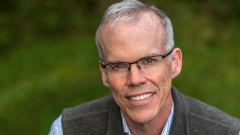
(112, 23)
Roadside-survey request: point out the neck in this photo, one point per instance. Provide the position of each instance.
(155, 126)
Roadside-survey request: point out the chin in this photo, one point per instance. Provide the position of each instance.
(142, 117)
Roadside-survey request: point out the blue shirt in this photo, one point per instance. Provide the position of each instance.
(56, 128)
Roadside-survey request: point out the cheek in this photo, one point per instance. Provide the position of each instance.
(160, 76)
(116, 84)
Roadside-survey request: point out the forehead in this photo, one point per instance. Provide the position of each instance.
(139, 38)
(145, 18)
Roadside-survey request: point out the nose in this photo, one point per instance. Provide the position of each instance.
(135, 76)
(130, 64)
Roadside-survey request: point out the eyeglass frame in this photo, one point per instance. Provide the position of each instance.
(136, 62)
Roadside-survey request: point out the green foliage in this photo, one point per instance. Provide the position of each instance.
(42, 79)
(49, 60)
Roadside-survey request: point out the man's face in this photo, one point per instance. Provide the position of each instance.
(142, 95)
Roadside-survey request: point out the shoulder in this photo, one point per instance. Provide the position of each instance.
(91, 117)
(209, 118)
(89, 108)
(199, 109)
(196, 117)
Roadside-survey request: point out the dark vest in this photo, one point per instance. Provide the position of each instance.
(191, 117)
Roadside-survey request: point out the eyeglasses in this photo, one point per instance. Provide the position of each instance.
(142, 64)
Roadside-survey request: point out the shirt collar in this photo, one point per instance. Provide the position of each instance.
(166, 129)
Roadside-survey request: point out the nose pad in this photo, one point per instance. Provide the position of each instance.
(129, 68)
(138, 66)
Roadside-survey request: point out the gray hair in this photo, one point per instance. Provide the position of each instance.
(128, 10)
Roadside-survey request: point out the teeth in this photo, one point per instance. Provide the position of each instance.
(141, 97)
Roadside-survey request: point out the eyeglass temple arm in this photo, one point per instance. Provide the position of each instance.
(102, 65)
(164, 56)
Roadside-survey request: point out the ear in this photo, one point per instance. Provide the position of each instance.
(104, 76)
(176, 62)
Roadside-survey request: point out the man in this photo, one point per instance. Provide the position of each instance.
(139, 61)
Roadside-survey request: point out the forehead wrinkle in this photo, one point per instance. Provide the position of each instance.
(119, 61)
(153, 24)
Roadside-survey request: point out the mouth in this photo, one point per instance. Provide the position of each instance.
(141, 97)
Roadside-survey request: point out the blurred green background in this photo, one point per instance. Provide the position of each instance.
(49, 61)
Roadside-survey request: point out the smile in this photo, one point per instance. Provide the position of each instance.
(141, 97)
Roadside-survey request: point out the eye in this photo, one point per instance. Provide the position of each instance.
(148, 61)
(118, 66)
